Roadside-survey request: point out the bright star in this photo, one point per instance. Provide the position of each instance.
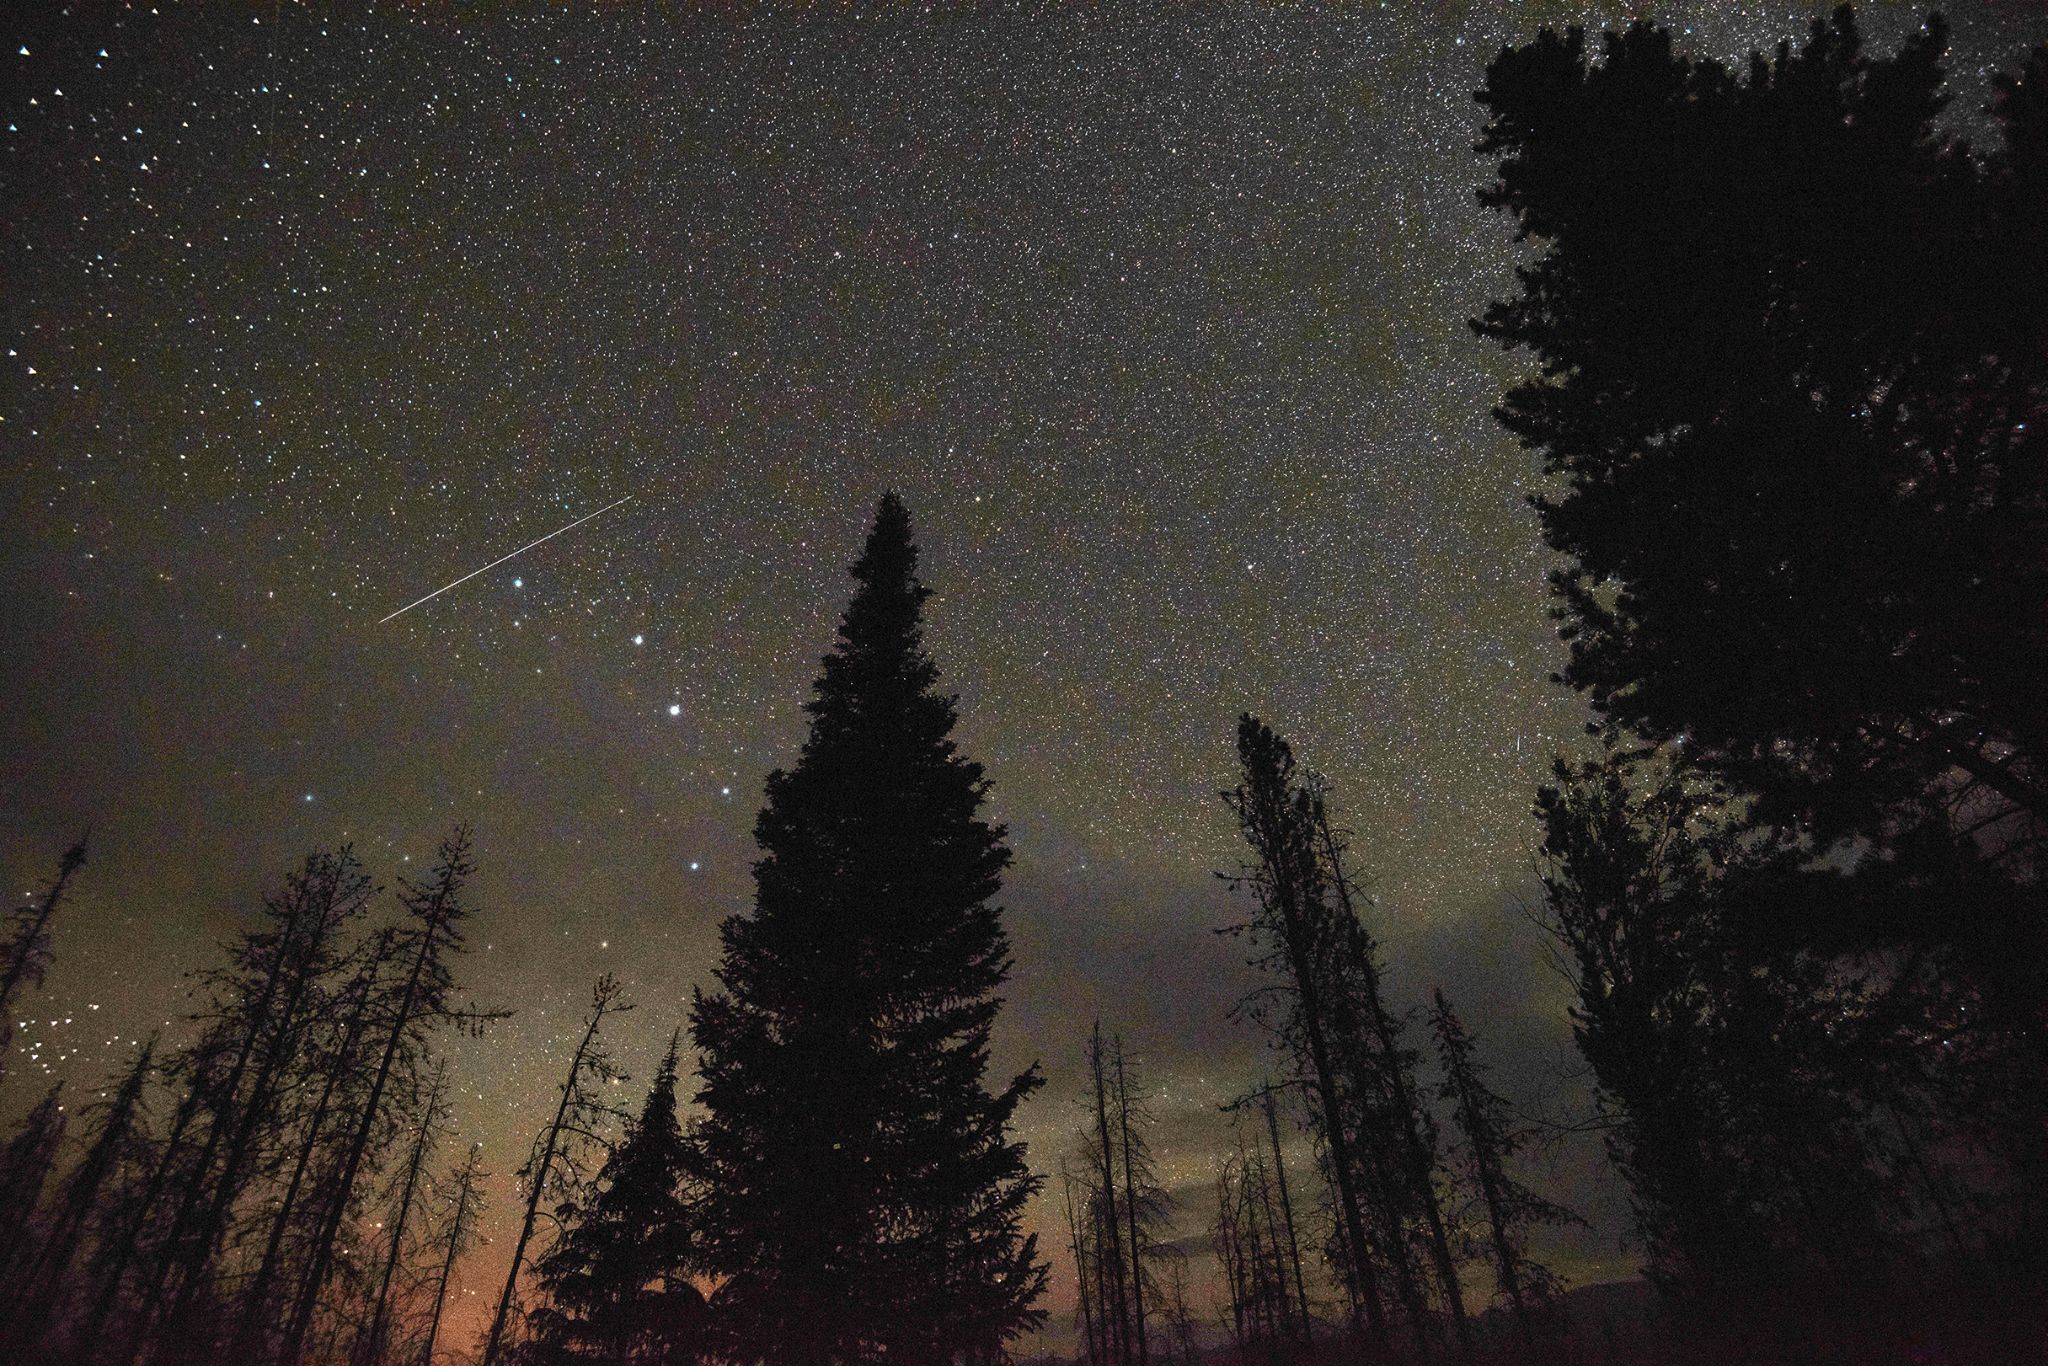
(675, 709)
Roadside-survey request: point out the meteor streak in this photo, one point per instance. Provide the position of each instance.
(502, 558)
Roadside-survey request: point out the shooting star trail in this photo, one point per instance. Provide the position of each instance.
(502, 558)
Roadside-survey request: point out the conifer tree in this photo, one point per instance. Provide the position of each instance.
(423, 999)
(614, 1286)
(1279, 817)
(458, 1238)
(556, 1164)
(25, 1165)
(25, 957)
(114, 1130)
(337, 1066)
(271, 997)
(1491, 1137)
(433, 1118)
(863, 1193)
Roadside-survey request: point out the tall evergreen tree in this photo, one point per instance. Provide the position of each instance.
(271, 996)
(1278, 816)
(422, 999)
(25, 1166)
(556, 1165)
(25, 956)
(863, 1194)
(1731, 1081)
(1378, 1142)
(456, 1238)
(615, 1286)
(1792, 367)
(114, 1128)
(370, 1346)
(1491, 1138)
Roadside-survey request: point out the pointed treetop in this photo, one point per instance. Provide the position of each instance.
(661, 1096)
(880, 651)
(890, 554)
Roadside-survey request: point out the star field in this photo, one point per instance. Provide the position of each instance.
(1155, 318)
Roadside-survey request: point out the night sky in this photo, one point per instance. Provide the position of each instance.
(1154, 317)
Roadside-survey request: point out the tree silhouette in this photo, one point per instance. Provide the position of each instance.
(423, 1000)
(1491, 1137)
(615, 1287)
(1793, 348)
(1278, 818)
(1115, 1230)
(25, 956)
(269, 1000)
(458, 1237)
(25, 1166)
(1732, 1076)
(115, 1126)
(557, 1165)
(862, 1192)
(433, 1118)
(1329, 1012)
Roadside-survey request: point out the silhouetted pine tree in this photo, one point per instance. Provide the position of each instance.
(138, 1220)
(456, 1238)
(30, 1305)
(1400, 1132)
(271, 997)
(557, 1163)
(1146, 1207)
(1491, 1137)
(1266, 1100)
(614, 1289)
(335, 1070)
(25, 956)
(1104, 1226)
(433, 1118)
(1115, 1229)
(863, 1195)
(1278, 817)
(1379, 1143)
(25, 1166)
(1081, 1242)
(1790, 353)
(1730, 1078)
(1250, 1250)
(421, 1000)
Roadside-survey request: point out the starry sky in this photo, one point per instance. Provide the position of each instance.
(1155, 316)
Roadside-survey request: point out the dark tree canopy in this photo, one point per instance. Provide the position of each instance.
(862, 1193)
(615, 1285)
(1793, 374)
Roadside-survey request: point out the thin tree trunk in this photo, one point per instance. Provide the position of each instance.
(1123, 1113)
(323, 1248)
(152, 1190)
(1109, 1244)
(1421, 1173)
(191, 1195)
(540, 1181)
(256, 1299)
(233, 1176)
(448, 1262)
(1081, 1288)
(373, 1339)
(1287, 1212)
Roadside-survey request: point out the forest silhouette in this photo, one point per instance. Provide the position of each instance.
(1787, 409)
